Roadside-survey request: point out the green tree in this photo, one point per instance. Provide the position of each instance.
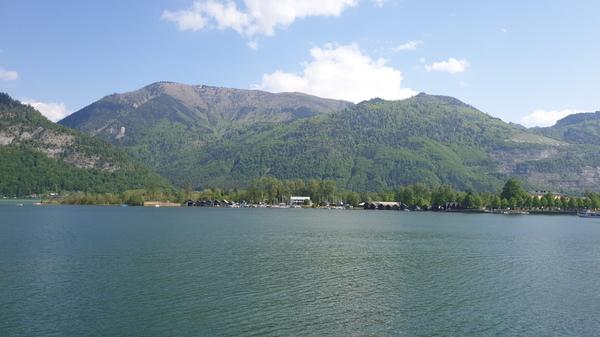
(421, 191)
(442, 195)
(527, 202)
(595, 202)
(512, 188)
(513, 203)
(572, 203)
(580, 203)
(273, 187)
(496, 202)
(543, 202)
(468, 201)
(565, 203)
(313, 190)
(386, 195)
(253, 192)
(353, 198)
(550, 200)
(327, 188)
(407, 196)
(399, 194)
(536, 202)
(419, 201)
(206, 194)
(152, 190)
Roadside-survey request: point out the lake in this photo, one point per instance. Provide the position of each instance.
(145, 271)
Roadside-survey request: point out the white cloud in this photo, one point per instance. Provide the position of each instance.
(52, 111)
(504, 30)
(258, 17)
(8, 75)
(451, 66)
(546, 118)
(410, 45)
(340, 72)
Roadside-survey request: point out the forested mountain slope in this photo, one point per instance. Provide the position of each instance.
(377, 144)
(435, 140)
(218, 137)
(37, 156)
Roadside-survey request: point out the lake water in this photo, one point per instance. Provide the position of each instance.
(144, 271)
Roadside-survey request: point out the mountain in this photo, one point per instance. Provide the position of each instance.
(374, 145)
(244, 135)
(165, 123)
(38, 156)
(580, 128)
(201, 109)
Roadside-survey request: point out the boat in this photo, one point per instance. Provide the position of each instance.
(18, 204)
(588, 214)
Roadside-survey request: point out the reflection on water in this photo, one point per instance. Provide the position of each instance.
(74, 270)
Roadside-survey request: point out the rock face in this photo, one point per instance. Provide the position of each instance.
(511, 158)
(37, 155)
(54, 144)
(587, 178)
(524, 163)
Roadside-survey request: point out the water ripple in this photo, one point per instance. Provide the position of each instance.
(191, 272)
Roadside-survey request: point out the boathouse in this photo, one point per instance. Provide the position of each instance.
(382, 205)
(452, 205)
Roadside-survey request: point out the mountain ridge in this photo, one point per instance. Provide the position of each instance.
(372, 145)
(217, 107)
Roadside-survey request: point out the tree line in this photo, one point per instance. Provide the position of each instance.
(273, 191)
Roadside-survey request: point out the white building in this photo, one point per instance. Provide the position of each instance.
(299, 200)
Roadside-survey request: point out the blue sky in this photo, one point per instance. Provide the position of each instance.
(528, 62)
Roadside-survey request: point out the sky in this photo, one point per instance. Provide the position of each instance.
(527, 62)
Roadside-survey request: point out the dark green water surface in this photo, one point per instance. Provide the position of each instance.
(141, 271)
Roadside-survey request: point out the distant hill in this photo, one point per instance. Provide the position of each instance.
(580, 128)
(243, 135)
(38, 156)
